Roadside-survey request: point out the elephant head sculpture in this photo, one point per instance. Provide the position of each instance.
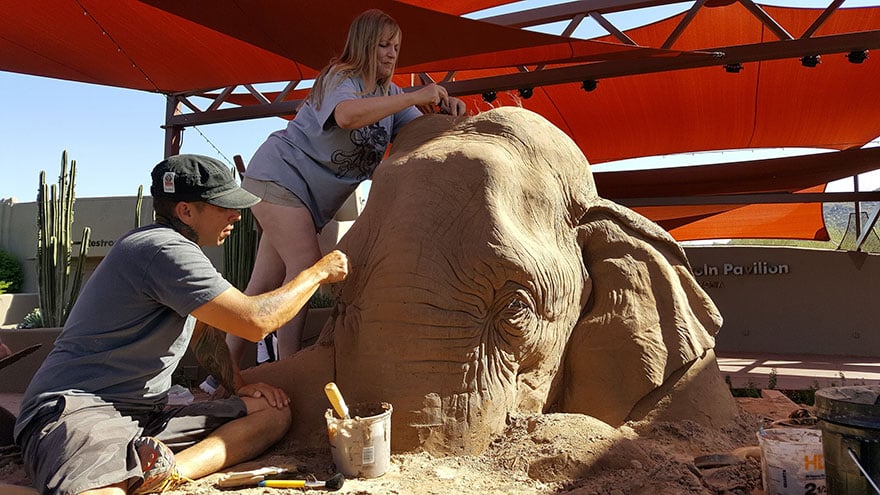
(489, 278)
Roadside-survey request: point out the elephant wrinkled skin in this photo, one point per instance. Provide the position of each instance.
(488, 278)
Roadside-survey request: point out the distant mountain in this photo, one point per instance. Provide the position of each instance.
(840, 222)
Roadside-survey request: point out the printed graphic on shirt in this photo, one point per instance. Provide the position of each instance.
(369, 146)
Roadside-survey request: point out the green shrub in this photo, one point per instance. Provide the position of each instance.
(321, 300)
(34, 319)
(10, 272)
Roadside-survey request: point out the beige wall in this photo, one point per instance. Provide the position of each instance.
(109, 218)
(791, 300)
(773, 299)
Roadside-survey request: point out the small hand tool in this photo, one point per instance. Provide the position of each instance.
(332, 484)
(248, 478)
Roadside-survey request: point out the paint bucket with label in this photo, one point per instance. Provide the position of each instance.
(792, 461)
(361, 445)
(849, 418)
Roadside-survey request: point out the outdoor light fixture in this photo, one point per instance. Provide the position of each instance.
(525, 93)
(810, 60)
(589, 85)
(857, 56)
(733, 68)
(489, 96)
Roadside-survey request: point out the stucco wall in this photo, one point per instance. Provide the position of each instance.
(791, 300)
(111, 217)
(773, 299)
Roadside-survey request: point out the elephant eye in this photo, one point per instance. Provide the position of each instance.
(518, 314)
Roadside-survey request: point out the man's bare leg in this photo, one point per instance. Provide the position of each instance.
(237, 441)
(118, 489)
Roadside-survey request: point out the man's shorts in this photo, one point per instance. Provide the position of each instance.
(82, 442)
(271, 192)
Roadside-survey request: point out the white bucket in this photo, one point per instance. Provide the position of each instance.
(361, 446)
(792, 461)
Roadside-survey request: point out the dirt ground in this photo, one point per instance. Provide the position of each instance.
(550, 454)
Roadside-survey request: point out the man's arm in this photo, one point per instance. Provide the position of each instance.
(254, 317)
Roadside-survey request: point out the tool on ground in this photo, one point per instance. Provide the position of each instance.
(18, 355)
(336, 399)
(332, 484)
(248, 478)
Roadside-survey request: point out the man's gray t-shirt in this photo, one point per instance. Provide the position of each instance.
(130, 326)
(321, 162)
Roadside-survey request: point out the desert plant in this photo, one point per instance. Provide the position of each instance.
(11, 273)
(321, 300)
(240, 251)
(32, 320)
(59, 281)
(772, 379)
(137, 206)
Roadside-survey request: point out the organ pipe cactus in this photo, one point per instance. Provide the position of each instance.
(137, 206)
(240, 251)
(59, 281)
(240, 248)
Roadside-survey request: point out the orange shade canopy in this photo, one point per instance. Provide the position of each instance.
(170, 46)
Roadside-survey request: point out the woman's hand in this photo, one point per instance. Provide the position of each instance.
(453, 106)
(430, 94)
(433, 94)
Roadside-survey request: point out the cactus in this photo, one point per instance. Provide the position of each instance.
(137, 206)
(240, 248)
(240, 251)
(59, 285)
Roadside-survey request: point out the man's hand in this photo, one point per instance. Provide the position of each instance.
(274, 396)
(334, 266)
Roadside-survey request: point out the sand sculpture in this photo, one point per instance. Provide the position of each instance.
(489, 279)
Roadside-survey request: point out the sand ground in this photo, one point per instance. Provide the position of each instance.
(548, 454)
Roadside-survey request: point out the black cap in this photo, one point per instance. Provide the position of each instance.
(199, 178)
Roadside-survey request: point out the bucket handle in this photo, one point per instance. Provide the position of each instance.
(864, 472)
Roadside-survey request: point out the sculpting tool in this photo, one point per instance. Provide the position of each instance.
(336, 399)
(332, 484)
(248, 478)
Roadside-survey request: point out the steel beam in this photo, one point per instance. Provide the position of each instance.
(747, 199)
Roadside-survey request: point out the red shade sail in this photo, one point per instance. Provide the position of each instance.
(639, 106)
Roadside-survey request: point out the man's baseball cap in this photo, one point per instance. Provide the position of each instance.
(199, 178)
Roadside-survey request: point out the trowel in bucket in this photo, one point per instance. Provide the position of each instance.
(336, 399)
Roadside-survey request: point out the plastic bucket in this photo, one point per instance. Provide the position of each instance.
(792, 461)
(850, 422)
(361, 446)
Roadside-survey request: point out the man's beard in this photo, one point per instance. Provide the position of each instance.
(184, 229)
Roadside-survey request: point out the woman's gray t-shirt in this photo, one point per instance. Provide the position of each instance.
(321, 162)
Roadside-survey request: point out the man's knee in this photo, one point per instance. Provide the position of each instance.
(278, 419)
(283, 418)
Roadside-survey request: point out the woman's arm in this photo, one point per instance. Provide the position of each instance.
(361, 112)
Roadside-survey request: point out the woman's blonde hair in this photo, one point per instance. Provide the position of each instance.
(359, 55)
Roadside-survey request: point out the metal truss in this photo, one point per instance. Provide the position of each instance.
(182, 111)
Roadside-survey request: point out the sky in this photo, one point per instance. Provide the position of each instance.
(115, 135)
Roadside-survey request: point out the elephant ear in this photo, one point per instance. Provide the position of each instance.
(647, 316)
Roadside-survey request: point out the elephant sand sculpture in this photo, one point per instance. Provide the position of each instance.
(489, 279)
